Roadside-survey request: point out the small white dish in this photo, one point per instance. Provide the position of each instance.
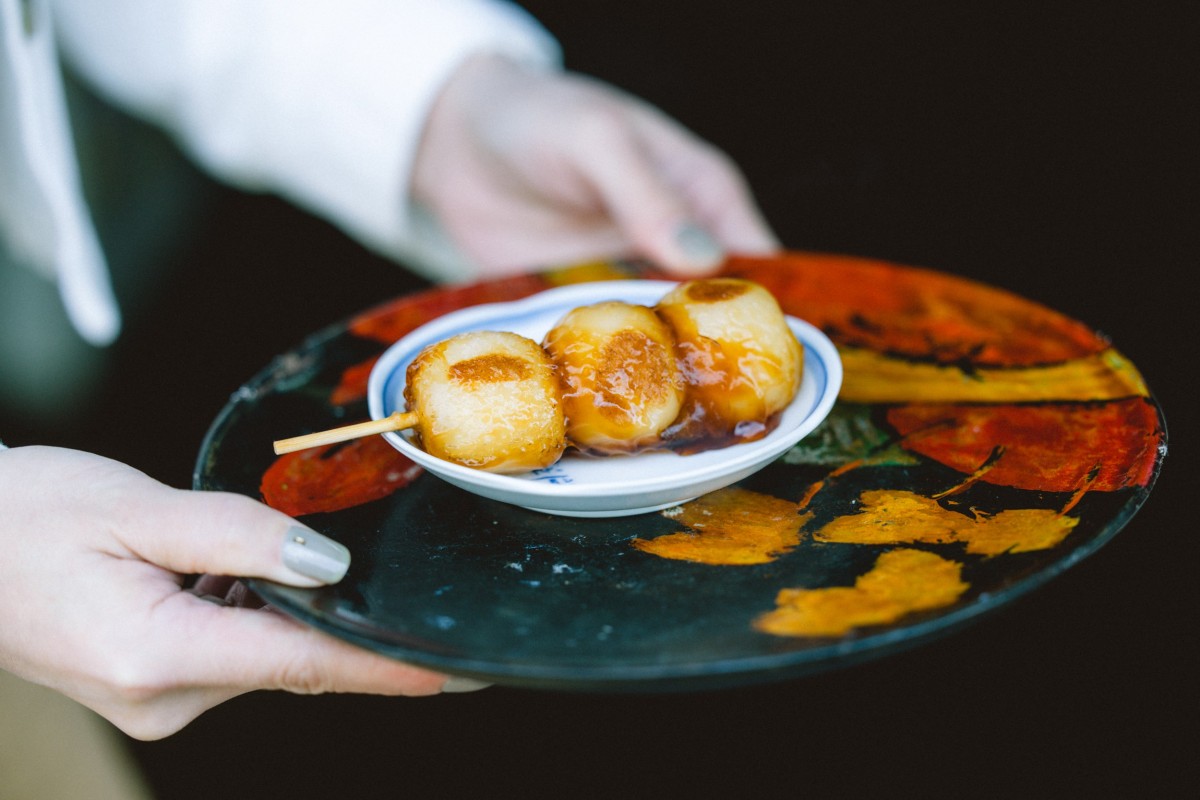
(609, 486)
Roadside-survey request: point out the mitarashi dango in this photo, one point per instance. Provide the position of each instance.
(738, 357)
(620, 384)
(487, 400)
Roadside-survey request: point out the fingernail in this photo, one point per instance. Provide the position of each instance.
(697, 246)
(314, 556)
(456, 685)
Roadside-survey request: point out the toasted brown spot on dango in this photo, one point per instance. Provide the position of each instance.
(490, 368)
(715, 290)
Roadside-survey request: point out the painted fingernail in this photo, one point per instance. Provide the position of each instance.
(697, 246)
(314, 556)
(456, 685)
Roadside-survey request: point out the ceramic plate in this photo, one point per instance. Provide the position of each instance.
(616, 485)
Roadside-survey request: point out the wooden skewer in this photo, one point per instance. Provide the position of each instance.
(396, 421)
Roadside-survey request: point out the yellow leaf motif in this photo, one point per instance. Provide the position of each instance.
(900, 517)
(730, 526)
(901, 582)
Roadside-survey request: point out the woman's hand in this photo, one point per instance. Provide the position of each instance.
(527, 168)
(91, 598)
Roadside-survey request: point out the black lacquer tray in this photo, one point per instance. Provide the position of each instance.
(981, 445)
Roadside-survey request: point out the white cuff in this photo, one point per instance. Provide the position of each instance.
(355, 165)
(42, 213)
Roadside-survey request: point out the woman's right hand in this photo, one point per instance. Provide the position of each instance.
(527, 168)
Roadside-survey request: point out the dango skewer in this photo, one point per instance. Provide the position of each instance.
(712, 363)
(485, 399)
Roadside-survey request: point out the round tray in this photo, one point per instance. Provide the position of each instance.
(980, 445)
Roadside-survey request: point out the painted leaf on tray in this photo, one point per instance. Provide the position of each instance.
(353, 384)
(388, 322)
(1061, 447)
(872, 377)
(894, 516)
(900, 583)
(333, 477)
(729, 526)
(847, 435)
(918, 313)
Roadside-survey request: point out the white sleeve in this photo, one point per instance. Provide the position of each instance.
(43, 219)
(321, 102)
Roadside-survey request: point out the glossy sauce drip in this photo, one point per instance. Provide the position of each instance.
(633, 372)
(723, 406)
(633, 375)
(629, 373)
(698, 429)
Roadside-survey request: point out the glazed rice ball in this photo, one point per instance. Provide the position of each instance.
(487, 400)
(620, 384)
(740, 360)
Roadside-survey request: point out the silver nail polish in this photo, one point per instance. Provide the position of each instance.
(314, 556)
(698, 246)
(456, 685)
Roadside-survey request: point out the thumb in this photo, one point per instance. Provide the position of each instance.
(228, 534)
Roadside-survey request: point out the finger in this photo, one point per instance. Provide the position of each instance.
(228, 534)
(245, 650)
(642, 202)
(711, 185)
(726, 208)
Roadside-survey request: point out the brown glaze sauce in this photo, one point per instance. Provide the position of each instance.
(698, 431)
(633, 372)
(626, 384)
(716, 391)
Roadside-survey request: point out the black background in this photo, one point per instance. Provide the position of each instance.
(1043, 148)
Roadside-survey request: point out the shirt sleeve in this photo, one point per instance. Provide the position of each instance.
(322, 103)
(44, 222)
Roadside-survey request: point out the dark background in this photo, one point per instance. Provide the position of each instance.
(1042, 148)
